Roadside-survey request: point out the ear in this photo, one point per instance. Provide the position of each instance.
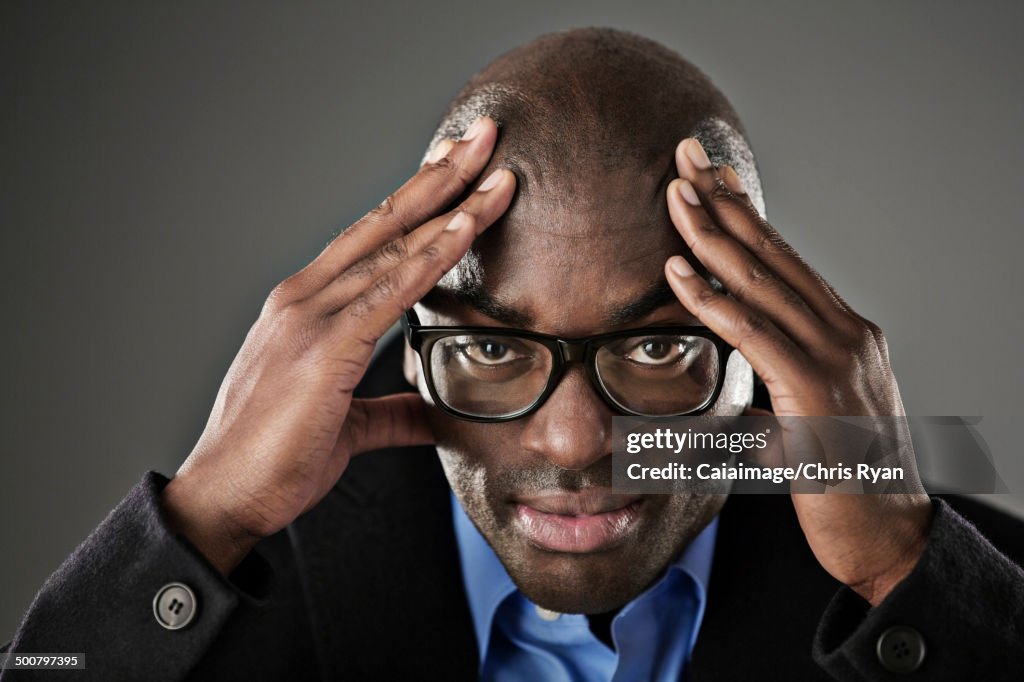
(410, 365)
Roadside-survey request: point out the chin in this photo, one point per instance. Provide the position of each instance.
(597, 582)
(574, 585)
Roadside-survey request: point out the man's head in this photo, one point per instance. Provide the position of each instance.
(589, 123)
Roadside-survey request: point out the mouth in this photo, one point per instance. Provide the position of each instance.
(581, 522)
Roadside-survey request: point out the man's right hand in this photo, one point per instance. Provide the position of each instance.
(285, 424)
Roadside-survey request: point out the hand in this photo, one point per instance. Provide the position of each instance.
(817, 357)
(285, 424)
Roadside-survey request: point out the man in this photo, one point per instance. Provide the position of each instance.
(273, 554)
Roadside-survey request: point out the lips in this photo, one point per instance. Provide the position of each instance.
(576, 522)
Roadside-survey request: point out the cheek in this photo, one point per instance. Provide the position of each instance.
(472, 456)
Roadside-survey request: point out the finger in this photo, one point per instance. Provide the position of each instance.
(425, 195)
(771, 354)
(744, 276)
(439, 151)
(370, 314)
(375, 424)
(734, 212)
(394, 421)
(763, 232)
(487, 203)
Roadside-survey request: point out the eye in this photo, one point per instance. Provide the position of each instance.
(488, 352)
(658, 351)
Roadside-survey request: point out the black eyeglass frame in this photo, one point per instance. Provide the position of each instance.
(563, 351)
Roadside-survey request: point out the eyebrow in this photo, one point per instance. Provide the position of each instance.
(475, 296)
(656, 296)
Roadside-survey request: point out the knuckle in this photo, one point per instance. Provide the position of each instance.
(391, 288)
(385, 209)
(706, 297)
(445, 165)
(707, 225)
(456, 170)
(364, 267)
(431, 252)
(767, 243)
(395, 250)
(290, 317)
(854, 343)
(758, 277)
(451, 169)
(759, 273)
(866, 337)
(273, 303)
(467, 212)
(360, 308)
(875, 330)
(720, 192)
(282, 295)
(295, 328)
(462, 173)
(385, 287)
(881, 342)
(390, 211)
(770, 240)
(791, 299)
(749, 323)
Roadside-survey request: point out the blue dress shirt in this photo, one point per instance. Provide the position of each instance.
(654, 634)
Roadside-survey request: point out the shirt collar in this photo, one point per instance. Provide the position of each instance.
(488, 584)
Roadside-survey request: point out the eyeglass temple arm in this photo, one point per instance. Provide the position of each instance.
(410, 319)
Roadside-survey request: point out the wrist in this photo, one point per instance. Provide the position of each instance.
(905, 547)
(191, 513)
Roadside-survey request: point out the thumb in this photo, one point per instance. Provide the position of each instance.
(393, 421)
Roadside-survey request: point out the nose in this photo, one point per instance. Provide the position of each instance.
(572, 429)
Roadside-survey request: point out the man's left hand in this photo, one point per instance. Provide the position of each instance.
(816, 356)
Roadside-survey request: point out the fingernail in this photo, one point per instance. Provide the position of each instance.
(461, 221)
(689, 193)
(492, 180)
(732, 180)
(680, 266)
(697, 155)
(440, 150)
(473, 130)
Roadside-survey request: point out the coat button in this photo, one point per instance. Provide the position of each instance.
(900, 649)
(174, 606)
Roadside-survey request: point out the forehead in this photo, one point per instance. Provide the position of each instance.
(571, 252)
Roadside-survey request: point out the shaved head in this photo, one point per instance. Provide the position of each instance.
(600, 100)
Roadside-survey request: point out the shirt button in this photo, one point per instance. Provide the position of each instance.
(900, 649)
(545, 614)
(174, 606)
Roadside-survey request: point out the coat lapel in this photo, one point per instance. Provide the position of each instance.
(383, 580)
(766, 595)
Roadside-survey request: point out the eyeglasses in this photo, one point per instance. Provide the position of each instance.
(491, 374)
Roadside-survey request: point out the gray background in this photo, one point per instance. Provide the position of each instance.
(164, 167)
